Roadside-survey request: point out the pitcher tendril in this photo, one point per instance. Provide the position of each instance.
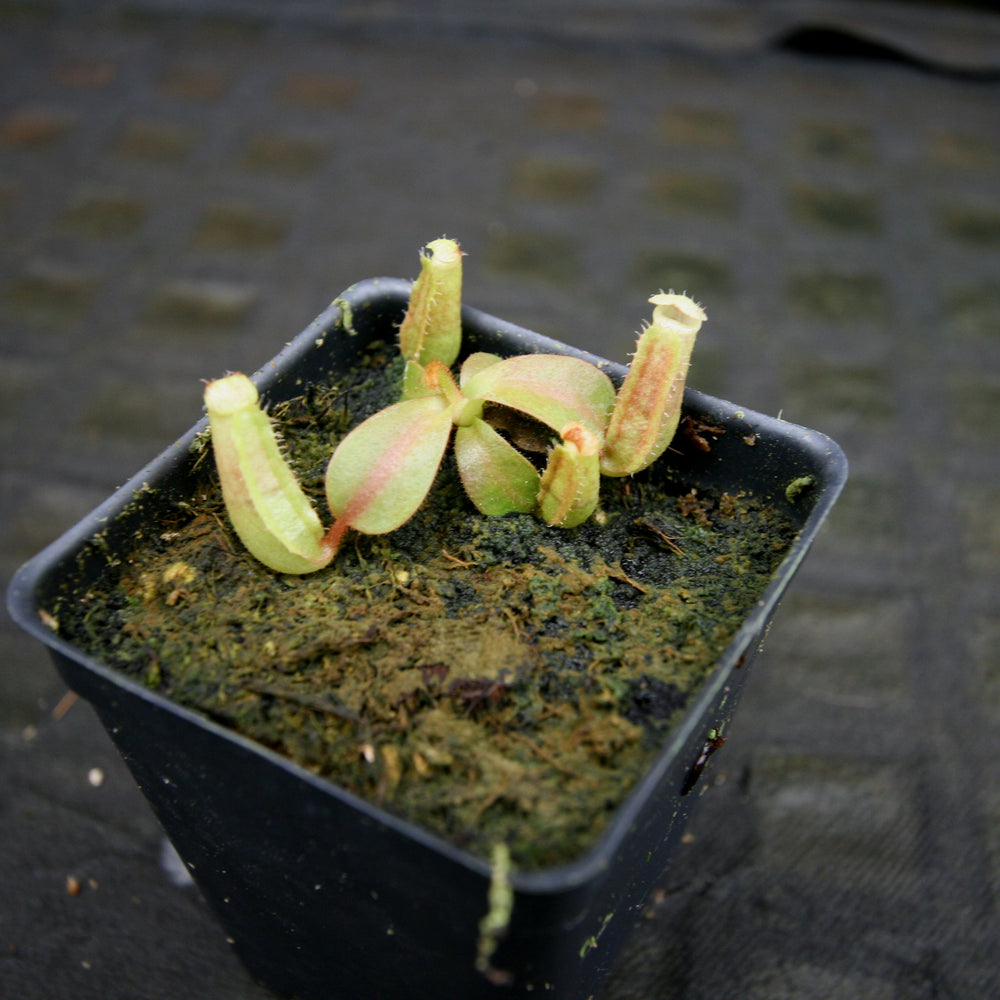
(497, 414)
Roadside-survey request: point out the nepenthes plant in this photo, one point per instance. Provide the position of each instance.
(531, 433)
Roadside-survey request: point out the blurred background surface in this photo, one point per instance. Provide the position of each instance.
(184, 185)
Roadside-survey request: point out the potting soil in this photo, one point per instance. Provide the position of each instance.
(493, 679)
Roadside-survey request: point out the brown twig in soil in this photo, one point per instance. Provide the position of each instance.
(455, 559)
(542, 754)
(650, 528)
(617, 573)
(317, 704)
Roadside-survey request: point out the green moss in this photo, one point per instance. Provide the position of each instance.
(493, 679)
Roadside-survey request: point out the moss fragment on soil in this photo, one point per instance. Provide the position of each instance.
(493, 679)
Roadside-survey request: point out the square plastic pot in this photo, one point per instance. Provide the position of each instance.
(325, 895)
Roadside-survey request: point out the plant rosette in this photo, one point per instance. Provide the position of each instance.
(360, 761)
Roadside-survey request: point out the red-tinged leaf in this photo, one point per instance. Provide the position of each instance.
(554, 389)
(381, 472)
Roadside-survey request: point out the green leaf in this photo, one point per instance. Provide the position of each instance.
(496, 476)
(381, 472)
(474, 364)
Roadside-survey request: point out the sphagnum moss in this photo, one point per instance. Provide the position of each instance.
(493, 679)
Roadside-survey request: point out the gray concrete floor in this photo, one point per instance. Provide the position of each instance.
(182, 190)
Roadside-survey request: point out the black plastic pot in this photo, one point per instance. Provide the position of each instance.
(327, 896)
